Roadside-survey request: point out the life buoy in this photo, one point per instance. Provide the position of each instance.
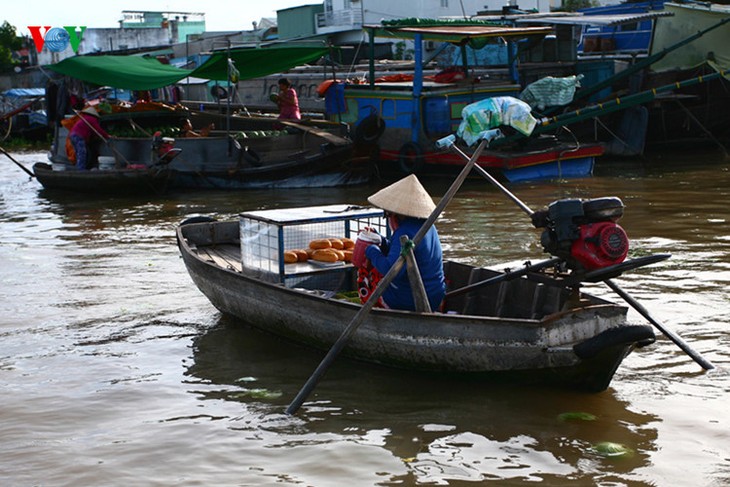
(369, 129)
(218, 92)
(410, 158)
(324, 86)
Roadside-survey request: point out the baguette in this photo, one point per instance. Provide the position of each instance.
(325, 255)
(320, 243)
(302, 255)
(290, 257)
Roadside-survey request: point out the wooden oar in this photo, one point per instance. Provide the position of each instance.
(705, 364)
(635, 304)
(30, 173)
(381, 287)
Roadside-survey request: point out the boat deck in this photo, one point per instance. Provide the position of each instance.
(227, 256)
(518, 298)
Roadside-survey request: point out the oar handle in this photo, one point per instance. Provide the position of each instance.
(705, 364)
(30, 173)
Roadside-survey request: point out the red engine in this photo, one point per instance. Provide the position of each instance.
(584, 233)
(600, 245)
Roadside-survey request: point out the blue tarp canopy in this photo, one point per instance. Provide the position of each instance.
(24, 92)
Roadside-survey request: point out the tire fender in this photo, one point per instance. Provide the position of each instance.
(410, 158)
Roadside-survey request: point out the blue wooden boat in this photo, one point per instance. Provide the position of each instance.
(403, 116)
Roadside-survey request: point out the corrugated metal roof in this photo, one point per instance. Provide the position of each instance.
(457, 33)
(577, 19)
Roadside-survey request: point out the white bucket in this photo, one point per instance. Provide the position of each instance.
(107, 162)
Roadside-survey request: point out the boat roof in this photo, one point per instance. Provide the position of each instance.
(458, 34)
(600, 20)
(147, 73)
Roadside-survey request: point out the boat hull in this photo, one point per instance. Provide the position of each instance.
(554, 162)
(275, 155)
(530, 350)
(111, 182)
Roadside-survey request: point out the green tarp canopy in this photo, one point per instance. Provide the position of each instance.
(255, 63)
(126, 72)
(143, 73)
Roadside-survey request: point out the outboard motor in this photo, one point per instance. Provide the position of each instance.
(584, 233)
(163, 148)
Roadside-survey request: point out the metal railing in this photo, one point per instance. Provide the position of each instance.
(340, 18)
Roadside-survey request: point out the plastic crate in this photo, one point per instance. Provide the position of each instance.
(267, 234)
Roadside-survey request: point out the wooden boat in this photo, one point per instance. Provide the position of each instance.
(152, 180)
(404, 116)
(536, 328)
(540, 161)
(240, 153)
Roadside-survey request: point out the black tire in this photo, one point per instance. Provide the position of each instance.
(410, 158)
(641, 335)
(370, 129)
(252, 157)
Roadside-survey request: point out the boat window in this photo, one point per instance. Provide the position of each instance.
(631, 26)
(387, 108)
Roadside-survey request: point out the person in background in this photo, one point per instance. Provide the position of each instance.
(287, 101)
(188, 131)
(407, 205)
(85, 131)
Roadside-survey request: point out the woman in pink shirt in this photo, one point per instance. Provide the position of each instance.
(288, 101)
(83, 132)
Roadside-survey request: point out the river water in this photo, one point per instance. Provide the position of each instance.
(116, 371)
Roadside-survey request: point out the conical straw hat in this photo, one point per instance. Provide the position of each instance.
(90, 111)
(405, 197)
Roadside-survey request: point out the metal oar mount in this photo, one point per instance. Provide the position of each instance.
(705, 364)
(382, 285)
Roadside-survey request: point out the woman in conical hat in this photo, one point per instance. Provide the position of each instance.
(407, 205)
(84, 132)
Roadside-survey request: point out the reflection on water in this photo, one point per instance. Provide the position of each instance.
(444, 431)
(112, 363)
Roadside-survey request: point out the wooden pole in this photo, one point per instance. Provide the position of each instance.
(705, 364)
(420, 299)
(30, 173)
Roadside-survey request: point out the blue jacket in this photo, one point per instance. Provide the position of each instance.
(428, 257)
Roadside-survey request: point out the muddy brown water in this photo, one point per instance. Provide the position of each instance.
(115, 370)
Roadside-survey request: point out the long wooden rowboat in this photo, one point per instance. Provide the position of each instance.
(531, 329)
(149, 180)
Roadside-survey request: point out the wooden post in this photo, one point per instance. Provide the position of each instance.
(414, 277)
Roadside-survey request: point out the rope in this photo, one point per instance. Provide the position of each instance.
(407, 247)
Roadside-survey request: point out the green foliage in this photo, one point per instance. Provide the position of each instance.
(9, 42)
(574, 5)
(20, 144)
